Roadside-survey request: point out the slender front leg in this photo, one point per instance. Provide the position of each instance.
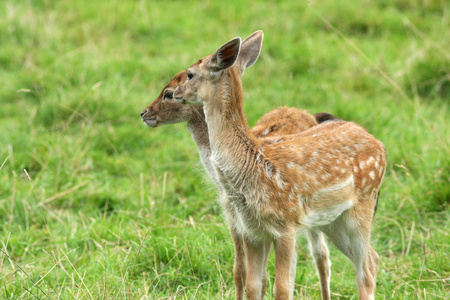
(256, 258)
(240, 264)
(284, 252)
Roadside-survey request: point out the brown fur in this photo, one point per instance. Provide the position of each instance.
(281, 121)
(284, 119)
(277, 184)
(324, 179)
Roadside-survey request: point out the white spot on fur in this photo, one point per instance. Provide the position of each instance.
(279, 181)
(278, 140)
(265, 132)
(355, 169)
(372, 175)
(258, 158)
(366, 190)
(325, 176)
(291, 165)
(269, 169)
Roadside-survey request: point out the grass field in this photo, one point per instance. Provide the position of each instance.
(95, 205)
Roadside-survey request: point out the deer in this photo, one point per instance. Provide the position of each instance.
(283, 120)
(323, 181)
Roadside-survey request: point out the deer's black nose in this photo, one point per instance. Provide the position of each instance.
(143, 113)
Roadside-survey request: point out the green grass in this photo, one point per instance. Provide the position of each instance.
(94, 204)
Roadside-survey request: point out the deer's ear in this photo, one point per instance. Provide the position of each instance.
(250, 50)
(226, 55)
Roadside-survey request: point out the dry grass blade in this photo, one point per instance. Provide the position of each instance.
(62, 194)
(78, 274)
(4, 162)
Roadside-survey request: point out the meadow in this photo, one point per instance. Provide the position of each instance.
(96, 205)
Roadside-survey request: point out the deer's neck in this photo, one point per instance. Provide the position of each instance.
(199, 132)
(225, 114)
(233, 149)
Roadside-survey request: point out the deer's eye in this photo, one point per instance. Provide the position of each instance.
(168, 94)
(190, 75)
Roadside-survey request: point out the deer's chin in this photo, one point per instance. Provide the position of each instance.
(151, 122)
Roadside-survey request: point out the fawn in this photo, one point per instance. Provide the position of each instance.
(324, 180)
(283, 120)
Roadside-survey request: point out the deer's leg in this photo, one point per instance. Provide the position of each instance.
(374, 263)
(366, 263)
(256, 257)
(320, 253)
(292, 273)
(240, 264)
(284, 252)
(351, 234)
(264, 281)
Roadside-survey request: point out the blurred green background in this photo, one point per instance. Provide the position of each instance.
(94, 204)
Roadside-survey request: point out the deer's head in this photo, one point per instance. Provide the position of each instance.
(165, 109)
(205, 76)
